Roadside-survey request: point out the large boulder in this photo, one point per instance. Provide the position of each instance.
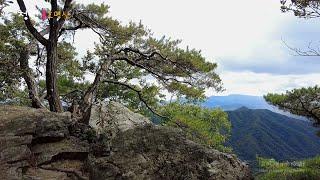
(37, 144)
(31, 139)
(113, 117)
(151, 152)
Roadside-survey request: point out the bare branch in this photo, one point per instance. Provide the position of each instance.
(299, 52)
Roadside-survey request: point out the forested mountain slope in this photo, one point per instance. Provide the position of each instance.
(268, 134)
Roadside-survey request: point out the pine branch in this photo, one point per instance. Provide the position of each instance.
(29, 25)
(139, 95)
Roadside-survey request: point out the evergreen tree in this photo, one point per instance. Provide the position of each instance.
(303, 102)
(126, 57)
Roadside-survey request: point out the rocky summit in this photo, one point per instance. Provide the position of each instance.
(40, 145)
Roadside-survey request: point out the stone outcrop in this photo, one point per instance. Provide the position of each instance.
(152, 152)
(32, 141)
(113, 117)
(37, 144)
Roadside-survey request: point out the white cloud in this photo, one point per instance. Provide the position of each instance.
(219, 28)
(261, 83)
(84, 41)
(243, 32)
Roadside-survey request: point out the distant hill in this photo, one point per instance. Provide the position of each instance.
(268, 134)
(235, 101)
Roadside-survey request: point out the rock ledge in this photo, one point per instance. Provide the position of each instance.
(37, 144)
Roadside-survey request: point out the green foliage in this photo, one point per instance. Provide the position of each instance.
(303, 102)
(13, 35)
(306, 169)
(68, 65)
(183, 72)
(312, 163)
(143, 66)
(207, 126)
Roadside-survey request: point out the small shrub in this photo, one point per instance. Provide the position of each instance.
(308, 169)
(210, 127)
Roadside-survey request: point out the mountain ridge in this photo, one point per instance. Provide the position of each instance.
(234, 101)
(271, 135)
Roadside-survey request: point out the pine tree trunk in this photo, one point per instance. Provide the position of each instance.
(51, 47)
(51, 71)
(91, 92)
(29, 79)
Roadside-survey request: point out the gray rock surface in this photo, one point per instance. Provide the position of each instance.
(30, 139)
(40, 145)
(152, 152)
(113, 117)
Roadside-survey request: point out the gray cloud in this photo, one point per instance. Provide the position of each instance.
(298, 34)
(293, 65)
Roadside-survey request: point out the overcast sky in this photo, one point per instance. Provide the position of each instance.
(244, 37)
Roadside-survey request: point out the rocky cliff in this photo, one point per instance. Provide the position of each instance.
(37, 144)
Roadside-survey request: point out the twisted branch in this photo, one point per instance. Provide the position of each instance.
(139, 92)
